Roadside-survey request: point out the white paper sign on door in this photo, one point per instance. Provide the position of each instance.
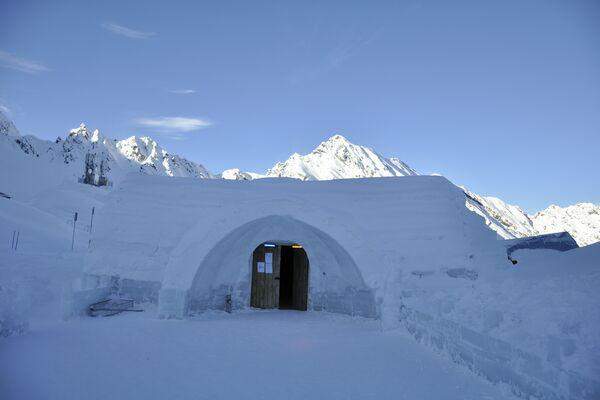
(261, 267)
(269, 263)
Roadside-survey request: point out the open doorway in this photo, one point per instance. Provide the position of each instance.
(279, 277)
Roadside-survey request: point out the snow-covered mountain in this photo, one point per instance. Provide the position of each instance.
(237, 175)
(155, 160)
(581, 220)
(337, 158)
(91, 158)
(95, 159)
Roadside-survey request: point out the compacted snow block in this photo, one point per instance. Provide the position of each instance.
(499, 361)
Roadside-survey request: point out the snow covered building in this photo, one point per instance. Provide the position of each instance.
(404, 250)
(333, 245)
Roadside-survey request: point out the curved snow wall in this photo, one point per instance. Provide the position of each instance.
(335, 282)
(498, 361)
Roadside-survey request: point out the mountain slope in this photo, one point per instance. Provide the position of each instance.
(7, 128)
(337, 158)
(507, 220)
(155, 160)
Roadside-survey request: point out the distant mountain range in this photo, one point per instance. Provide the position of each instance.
(98, 160)
(94, 159)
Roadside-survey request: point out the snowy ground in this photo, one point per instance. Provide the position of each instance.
(249, 355)
(546, 305)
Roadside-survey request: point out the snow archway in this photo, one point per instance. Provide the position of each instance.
(335, 282)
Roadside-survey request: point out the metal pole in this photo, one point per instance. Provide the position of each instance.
(12, 243)
(17, 242)
(91, 224)
(73, 238)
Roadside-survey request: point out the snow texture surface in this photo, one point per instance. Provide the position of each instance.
(254, 355)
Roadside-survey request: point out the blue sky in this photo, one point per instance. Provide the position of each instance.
(503, 96)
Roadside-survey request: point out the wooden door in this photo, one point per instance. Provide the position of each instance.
(264, 292)
(300, 291)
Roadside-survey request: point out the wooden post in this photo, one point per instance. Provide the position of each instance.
(91, 224)
(73, 238)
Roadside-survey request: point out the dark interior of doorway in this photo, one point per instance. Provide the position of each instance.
(286, 278)
(293, 279)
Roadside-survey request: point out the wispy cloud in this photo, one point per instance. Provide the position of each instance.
(182, 91)
(5, 109)
(127, 32)
(8, 60)
(343, 49)
(173, 124)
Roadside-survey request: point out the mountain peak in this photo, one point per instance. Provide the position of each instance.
(141, 149)
(334, 142)
(82, 128)
(338, 158)
(235, 174)
(82, 132)
(145, 141)
(338, 138)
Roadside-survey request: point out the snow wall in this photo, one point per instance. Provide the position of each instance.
(186, 243)
(405, 250)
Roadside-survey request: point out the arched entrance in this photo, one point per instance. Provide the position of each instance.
(279, 276)
(335, 283)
